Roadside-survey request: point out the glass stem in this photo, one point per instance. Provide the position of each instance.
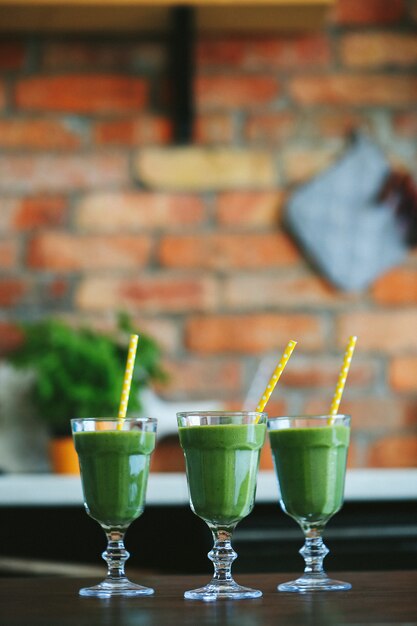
(115, 555)
(313, 552)
(222, 555)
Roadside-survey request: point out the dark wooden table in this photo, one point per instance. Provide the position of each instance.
(376, 598)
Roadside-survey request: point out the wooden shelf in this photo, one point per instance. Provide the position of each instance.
(171, 488)
(153, 16)
(180, 21)
(171, 3)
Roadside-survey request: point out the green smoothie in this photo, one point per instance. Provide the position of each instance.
(114, 472)
(222, 465)
(310, 464)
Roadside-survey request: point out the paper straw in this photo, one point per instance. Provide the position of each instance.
(343, 375)
(276, 375)
(130, 364)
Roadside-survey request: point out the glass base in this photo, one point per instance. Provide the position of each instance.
(308, 583)
(222, 591)
(110, 589)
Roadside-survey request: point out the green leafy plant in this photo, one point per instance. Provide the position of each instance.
(79, 371)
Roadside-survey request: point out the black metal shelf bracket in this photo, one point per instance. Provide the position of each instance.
(182, 55)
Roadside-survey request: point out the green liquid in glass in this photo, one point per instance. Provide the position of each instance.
(114, 472)
(310, 464)
(222, 465)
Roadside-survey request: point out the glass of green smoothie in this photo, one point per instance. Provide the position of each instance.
(114, 458)
(309, 455)
(222, 452)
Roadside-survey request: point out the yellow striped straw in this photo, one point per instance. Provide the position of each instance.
(342, 376)
(130, 364)
(276, 375)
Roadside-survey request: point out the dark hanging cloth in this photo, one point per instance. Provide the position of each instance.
(400, 191)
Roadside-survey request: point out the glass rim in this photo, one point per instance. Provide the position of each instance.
(219, 413)
(318, 416)
(145, 420)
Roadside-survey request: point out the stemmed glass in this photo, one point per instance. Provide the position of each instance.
(222, 452)
(310, 461)
(114, 458)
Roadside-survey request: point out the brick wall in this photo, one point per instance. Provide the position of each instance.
(98, 211)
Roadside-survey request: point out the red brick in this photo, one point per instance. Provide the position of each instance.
(81, 93)
(354, 89)
(36, 212)
(411, 411)
(21, 214)
(168, 455)
(399, 286)
(138, 211)
(382, 331)
(133, 132)
(8, 254)
(2, 95)
(223, 251)
(322, 372)
(301, 164)
(235, 91)
(204, 169)
(147, 293)
(12, 291)
(10, 337)
(353, 457)
(257, 54)
(399, 451)
(56, 289)
(349, 12)
(165, 332)
(201, 378)
(12, 56)
(220, 52)
(249, 209)
(65, 252)
(403, 373)
(50, 173)
(374, 414)
(368, 50)
(252, 334)
(261, 291)
(335, 124)
(214, 128)
(43, 134)
(266, 463)
(370, 414)
(271, 127)
(289, 53)
(77, 55)
(82, 56)
(405, 124)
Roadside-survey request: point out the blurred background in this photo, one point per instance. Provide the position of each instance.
(101, 210)
(147, 165)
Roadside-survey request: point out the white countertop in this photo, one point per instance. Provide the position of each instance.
(52, 489)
